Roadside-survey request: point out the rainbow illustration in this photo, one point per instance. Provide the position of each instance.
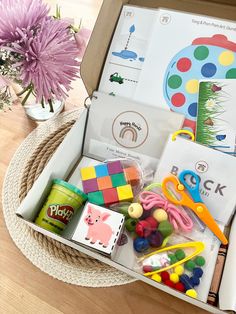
(126, 131)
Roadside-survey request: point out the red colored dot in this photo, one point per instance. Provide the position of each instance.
(178, 99)
(184, 64)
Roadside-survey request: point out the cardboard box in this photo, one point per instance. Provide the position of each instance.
(91, 70)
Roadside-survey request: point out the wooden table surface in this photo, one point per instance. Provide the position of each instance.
(23, 287)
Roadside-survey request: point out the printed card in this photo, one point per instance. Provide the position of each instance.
(127, 51)
(216, 123)
(99, 228)
(120, 128)
(185, 48)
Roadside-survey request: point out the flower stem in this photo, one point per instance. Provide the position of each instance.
(51, 105)
(23, 91)
(27, 96)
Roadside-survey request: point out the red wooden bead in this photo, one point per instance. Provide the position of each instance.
(169, 283)
(180, 287)
(143, 229)
(165, 275)
(152, 221)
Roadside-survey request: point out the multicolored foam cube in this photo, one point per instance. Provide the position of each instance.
(109, 183)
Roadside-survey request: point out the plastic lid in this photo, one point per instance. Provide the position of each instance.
(71, 188)
(216, 40)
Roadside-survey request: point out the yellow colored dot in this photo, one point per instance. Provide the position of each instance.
(180, 187)
(226, 58)
(192, 86)
(156, 277)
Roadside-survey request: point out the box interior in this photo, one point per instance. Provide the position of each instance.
(91, 72)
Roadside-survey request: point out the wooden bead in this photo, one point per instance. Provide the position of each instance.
(200, 261)
(135, 210)
(130, 224)
(155, 239)
(165, 228)
(160, 215)
(180, 287)
(165, 275)
(179, 270)
(140, 244)
(143, 229)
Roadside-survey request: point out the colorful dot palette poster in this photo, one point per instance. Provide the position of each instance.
(216, 123)
(184, 49)
(127, 52)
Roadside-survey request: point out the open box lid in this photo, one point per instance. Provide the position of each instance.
(95, 55)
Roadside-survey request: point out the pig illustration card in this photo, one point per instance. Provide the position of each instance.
(99, 228)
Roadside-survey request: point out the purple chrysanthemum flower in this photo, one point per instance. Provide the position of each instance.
(23, 15)
(48, 60)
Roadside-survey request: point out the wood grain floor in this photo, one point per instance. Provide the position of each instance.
(23, 287)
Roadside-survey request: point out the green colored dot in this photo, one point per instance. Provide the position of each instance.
(190, 265)
(231, 74)
(200, 261)
(180, 255)
(201, 53)
(172, 258)
(175, 81)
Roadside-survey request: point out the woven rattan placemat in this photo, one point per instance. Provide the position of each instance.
(52, 257)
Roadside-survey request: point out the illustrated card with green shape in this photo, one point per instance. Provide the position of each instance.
(216, 123)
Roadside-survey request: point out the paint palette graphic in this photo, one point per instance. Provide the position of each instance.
(206, 58)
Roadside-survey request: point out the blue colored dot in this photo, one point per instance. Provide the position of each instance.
(192, 109)
(209, 70)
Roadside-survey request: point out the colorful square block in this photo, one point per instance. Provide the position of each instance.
(118, 180)
(90, 185)
(132, 175)
(104, 183)
(125, 193)
(101, 171)
(96, 198)
(114, 167)
(110, 196)
(87, 173)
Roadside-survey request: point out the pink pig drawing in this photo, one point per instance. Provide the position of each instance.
(98, 230)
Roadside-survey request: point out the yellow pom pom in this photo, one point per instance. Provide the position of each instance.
(179, 270)
(174, 278)
(191, 293)
(156, 277)
(160, 215)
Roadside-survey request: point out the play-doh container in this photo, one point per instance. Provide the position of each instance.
(63, 201)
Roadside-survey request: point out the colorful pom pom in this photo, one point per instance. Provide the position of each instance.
(186, 281)
(195, 281)
(156, 277)
(190, 265)
(169, 283)
(200, 261)
(191, 293)
(165, 276)
(180, 254)
(174, 278)
(179, 270)
(197, 272)
(180, 287)
(172, 258)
